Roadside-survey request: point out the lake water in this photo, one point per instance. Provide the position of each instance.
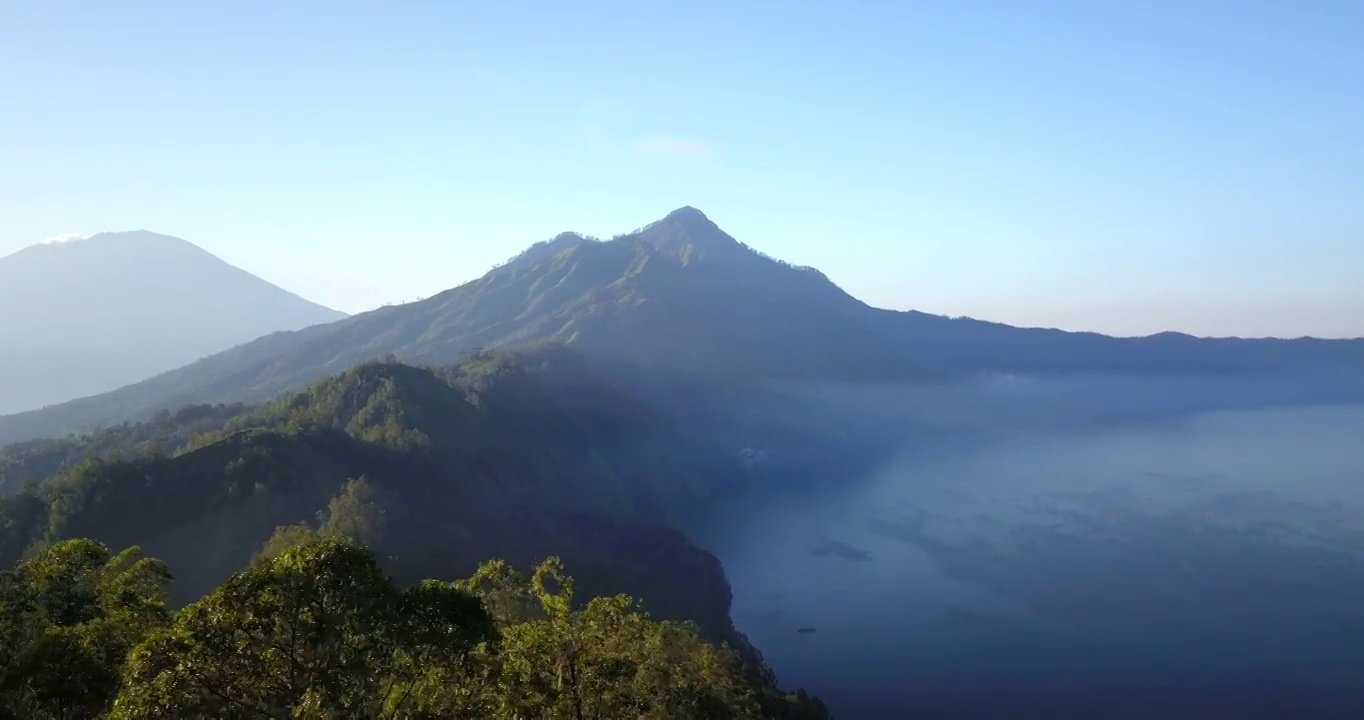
(1208, 566)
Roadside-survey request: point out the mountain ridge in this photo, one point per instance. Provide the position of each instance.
(678, 293)
(435, 438)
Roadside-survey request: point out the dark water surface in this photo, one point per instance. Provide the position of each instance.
(1210, 566)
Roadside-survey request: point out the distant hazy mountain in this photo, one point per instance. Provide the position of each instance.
(89, 315)
(679, 294)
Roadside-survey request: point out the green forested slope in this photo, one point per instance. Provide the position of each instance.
(518, 456)
(515, 455)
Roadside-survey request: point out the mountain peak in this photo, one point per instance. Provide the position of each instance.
(546, 249)
(692, 220)
(138, 236)
(121, 239)
(687, 211)
(687, 233)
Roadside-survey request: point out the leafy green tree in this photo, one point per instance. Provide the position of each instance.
(284, 538)
(506, 593)
(607, 660)
(355, 513)
(69, 617)
(316, 632)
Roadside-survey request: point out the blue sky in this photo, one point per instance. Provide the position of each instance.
(1118, 166)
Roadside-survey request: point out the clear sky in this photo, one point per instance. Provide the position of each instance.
(1095, 164)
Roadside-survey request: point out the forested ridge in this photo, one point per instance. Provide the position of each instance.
(513, 455)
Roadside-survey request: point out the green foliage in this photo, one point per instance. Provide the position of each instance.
(557, 659)
(319, 631)
(163, 434)
(316, 632)
(68, 618)
(355, 513)
(611, 660)
(284, 538)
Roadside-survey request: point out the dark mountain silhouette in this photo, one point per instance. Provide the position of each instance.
(91, 315)
(679, 294)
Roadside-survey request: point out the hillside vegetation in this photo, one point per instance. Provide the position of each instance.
(315, 629)
(514, 455)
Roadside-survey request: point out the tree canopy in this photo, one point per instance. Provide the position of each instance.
(68, 618)
(318, 631)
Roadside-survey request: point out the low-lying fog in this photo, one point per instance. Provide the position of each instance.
(1120, 556)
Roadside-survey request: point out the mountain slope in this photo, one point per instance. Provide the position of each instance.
(964, 345)
(443, 451)
(678, 294)
(684, 295)
(90, 315)
(517, 456)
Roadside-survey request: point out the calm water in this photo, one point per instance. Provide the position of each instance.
(1201, 567)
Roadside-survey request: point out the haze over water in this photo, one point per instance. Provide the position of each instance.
(1211, 563)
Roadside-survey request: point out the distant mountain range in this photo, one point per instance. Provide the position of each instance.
(85, 316)
(682, 295)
